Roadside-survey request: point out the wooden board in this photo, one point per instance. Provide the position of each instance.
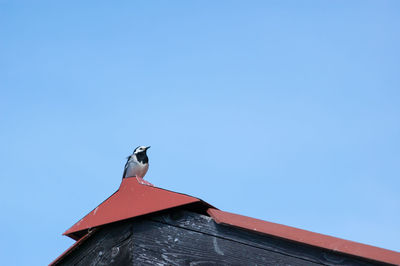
(206, 225)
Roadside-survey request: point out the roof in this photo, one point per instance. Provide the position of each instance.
(305, 237)
(130, 200)
(133, 199)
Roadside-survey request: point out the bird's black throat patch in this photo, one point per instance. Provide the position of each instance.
(142, 157)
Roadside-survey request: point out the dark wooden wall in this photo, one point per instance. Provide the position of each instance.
(181, 237)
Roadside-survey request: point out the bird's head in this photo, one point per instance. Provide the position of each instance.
(141, 149)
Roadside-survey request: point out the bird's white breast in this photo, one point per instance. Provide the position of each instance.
(136, 168)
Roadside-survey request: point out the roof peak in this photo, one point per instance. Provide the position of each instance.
(132, 199)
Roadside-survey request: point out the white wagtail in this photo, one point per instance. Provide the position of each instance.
(137, 165)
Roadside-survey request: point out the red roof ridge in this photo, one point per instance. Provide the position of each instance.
(130, 200)
(306, 237)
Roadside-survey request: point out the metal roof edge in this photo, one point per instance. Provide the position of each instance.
(119, 206)
(305, 237)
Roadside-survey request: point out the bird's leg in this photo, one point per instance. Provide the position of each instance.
(143, 182)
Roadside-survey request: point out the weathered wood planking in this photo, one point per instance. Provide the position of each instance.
(206, 225)
(178, 246)
(110, 245)
(185, 238)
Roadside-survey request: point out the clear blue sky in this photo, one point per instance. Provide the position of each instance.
(287, 111)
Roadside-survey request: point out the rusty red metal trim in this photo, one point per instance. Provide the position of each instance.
(306, 237)
(131, 200)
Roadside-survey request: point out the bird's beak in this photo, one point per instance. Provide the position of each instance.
(148, 147)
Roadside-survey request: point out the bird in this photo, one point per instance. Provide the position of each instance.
(137, 165)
